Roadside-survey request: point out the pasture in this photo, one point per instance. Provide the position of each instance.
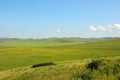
(22, 53)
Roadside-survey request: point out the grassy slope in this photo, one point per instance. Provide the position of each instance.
(65, 71)
(15, 54)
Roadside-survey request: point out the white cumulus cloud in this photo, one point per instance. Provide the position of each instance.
(58, 31)
(92, 28)
(105, 28)
(117, 26)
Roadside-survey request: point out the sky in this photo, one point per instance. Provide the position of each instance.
(59, 18)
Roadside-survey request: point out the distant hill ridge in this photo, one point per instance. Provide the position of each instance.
(63, 40)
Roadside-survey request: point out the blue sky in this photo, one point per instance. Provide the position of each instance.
(59, 18)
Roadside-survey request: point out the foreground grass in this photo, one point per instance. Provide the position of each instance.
(73, 70)
(20, 54)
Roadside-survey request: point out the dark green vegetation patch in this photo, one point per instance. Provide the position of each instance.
(100, 70)
(43, 64)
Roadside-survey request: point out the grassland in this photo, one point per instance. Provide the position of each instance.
(23, 53)
(15, 54)
(109, 69)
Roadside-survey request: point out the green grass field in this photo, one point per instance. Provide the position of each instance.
(23, 53)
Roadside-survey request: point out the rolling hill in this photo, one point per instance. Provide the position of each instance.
(18, 55)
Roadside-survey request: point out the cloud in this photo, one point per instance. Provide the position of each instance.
(92, 28)
(58, 31)
(117, 26)
(105, 28)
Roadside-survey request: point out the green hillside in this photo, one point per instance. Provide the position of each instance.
(106, 69)
(48, 42)
(20, 53)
